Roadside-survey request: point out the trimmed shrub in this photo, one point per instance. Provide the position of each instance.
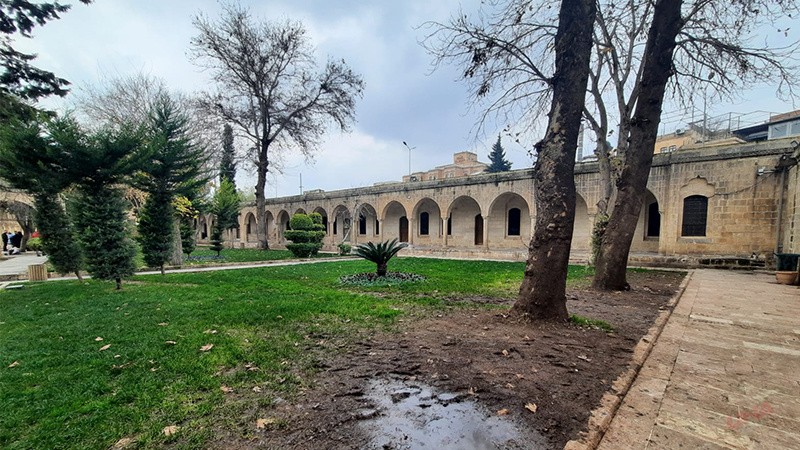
(306, 235)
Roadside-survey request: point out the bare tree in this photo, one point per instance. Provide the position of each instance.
(713, 46)
(269, 88)
(514, 53)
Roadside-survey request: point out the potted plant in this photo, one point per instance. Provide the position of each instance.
(786, 267)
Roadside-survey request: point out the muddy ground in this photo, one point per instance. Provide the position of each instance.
(470, 354)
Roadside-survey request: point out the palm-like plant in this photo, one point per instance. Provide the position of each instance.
(379, 254)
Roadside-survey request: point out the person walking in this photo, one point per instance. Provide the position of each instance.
(16, 240)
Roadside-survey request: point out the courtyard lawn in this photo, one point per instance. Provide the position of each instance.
(83, 366)
(202, 255)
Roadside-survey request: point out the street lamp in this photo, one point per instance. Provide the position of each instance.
(409, 157)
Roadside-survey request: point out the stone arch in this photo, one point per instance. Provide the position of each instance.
(202, 228)
(366, 224)
(395, 222)
(300, 211)
(250, 228)
(582, 229)
(342, 221)
(428, 222)
(648, 226)
(465, 224)
(509, 221)
(282, 225)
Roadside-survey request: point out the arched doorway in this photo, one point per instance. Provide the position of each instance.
(403, 229)
(463, 221)
(395, 222)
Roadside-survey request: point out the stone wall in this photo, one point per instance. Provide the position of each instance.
(740, 184)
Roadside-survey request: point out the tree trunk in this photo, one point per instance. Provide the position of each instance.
(542, 295)
(261, 210)
(603, 153)
(119, 283)
(632, 184)
(176, 258)
(382, 269)
(78, 276)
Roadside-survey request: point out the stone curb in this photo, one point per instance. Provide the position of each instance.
(600, 418)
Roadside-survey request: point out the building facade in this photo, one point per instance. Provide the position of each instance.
(724, 201)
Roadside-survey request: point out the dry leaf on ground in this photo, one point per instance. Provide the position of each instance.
(226, 389)
(14, 364)
(502, 412)
(170, 342)
(262, 423)
(206, 347)
(98, 339)
(122, 444)
(210, 332)
(170, 430)
(105, 347)
(531, 407)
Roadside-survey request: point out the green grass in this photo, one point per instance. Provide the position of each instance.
(66, 393)
(591, 323)
(229, 255)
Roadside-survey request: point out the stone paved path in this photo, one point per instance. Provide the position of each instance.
(725, 372)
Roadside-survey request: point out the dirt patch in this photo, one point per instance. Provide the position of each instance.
(476, 354)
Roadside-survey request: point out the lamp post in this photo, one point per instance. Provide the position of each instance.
(409, 158)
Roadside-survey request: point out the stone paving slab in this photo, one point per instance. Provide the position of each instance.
(723, 373)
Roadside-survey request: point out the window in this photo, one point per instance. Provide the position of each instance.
(424, 222)
(778, 131)
(449, 226)
(695, 214)
(653, 220)
(377, 227)
(362, 224)
(513, 221)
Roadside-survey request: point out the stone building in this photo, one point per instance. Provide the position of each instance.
(464, 163)
(738, 201)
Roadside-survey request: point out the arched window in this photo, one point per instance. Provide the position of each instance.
(695, 215)
(424, 222)
(362, 224)
(514, 221)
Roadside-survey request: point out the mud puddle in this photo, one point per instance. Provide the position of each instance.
(411, 415)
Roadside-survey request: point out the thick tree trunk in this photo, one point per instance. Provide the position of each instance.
(632, 184)
(542, 295)
(382, 268)
(261, 210)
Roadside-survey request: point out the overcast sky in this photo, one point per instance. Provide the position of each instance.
(403, 100)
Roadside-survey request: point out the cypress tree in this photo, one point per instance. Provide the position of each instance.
(58, 238)
(227, 165)
(225, 206)
(497, 159)
(99, 214)
(176, 168)
(31, 154)
(98, 208)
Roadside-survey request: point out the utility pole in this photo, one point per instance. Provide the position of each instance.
(301, 183)
(409, 158)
